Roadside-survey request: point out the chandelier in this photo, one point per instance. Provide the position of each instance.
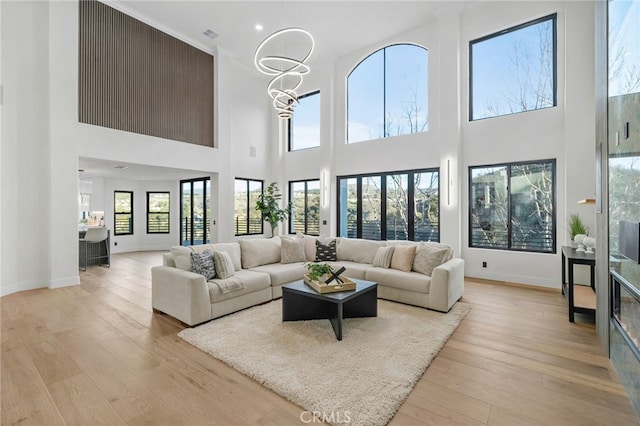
(287, 69)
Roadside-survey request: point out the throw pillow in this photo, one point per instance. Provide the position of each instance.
(202, 263)
(182, 257)
(292, 250)
(224, 264)
(402, 258)
(383, 257)
(428, 257)
(326, 252)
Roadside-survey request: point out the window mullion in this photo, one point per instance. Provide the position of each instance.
(383, 207)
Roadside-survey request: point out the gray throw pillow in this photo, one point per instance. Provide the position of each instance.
(326, 252)
(202, 263)
(224, 264)
(383, 257)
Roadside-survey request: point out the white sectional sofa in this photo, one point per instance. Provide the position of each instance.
(420, 274)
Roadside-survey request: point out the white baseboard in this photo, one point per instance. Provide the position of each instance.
(511, 278)
(64, 282)
(6, 290)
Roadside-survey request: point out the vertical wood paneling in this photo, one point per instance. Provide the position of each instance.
(136, 78)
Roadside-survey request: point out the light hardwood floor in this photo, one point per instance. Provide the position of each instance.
(97, 354)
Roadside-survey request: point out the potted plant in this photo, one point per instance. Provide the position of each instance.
(576, 226)
(269, 205)
(318, 271)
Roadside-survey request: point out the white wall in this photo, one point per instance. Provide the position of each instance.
(26, 149)
(42, 139)
(565, 133)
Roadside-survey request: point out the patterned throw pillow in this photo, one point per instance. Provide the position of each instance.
(224, 264)
(202, 263)
(326, 252)
(383, 257)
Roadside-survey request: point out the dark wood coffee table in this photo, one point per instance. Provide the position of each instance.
(301, 302)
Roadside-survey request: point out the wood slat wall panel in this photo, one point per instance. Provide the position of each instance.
(136, 78)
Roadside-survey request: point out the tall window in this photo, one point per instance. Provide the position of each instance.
(195, 211)
(123, 212)
(305, 210)
(248, 220)
(390, 206)
(387, 94)
(304, 126)
(158, 212)
(512, 206)
(513, 70)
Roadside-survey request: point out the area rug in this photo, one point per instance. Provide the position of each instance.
(361, 380)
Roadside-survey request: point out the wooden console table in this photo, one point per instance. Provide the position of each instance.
(581, 299)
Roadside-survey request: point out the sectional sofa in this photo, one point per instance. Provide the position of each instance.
(421, 274)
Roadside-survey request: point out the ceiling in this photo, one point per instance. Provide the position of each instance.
(338, 27)
(93, 168)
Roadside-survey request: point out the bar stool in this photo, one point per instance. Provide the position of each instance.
(92, 240)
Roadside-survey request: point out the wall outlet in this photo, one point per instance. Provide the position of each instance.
(484, 264)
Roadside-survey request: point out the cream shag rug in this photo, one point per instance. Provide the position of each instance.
(361, 380)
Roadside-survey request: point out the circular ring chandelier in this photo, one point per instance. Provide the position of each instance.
(287, 70)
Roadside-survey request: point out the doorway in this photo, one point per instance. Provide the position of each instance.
(195, 211)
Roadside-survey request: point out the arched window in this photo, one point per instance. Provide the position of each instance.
(387, 94)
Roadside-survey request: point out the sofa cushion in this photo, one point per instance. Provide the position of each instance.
(260, 251)
(410, 281)
(355, 250)
(353, 269)
(282, 273)
(326, 252)
(383, 257)
(224, 264)
(402, 258)
(182, 257)
(292, 250)
(430, 255)
(252, 282)
(234, 251)
(202, 263)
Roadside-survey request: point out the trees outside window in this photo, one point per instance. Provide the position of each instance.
(387, 94)
(158, 212)
(304, 126)
(305, 207)
(123, 212)
(513, 70)
(248, 220)
(390, 206)
(512, 206)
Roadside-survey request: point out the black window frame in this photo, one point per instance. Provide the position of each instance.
(116, 214)
(168, 213)
(385, 131)
(249, 206)
(509, 166)
(383, 197)
(290, 132)
(306, 199)
(554, 19)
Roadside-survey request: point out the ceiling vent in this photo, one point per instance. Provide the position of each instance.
(210, 33)
(120, 167)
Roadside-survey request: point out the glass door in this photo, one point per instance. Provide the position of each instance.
(195, 211)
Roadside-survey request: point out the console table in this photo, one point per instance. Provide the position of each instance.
(581, 299)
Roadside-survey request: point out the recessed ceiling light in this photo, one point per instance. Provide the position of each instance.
(258, 27)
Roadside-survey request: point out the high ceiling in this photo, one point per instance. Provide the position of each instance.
(338, 27)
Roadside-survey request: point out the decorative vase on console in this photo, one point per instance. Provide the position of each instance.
(579, 238)
(590, 244)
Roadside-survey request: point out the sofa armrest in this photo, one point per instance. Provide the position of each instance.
(447, 285)
(182, 294)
